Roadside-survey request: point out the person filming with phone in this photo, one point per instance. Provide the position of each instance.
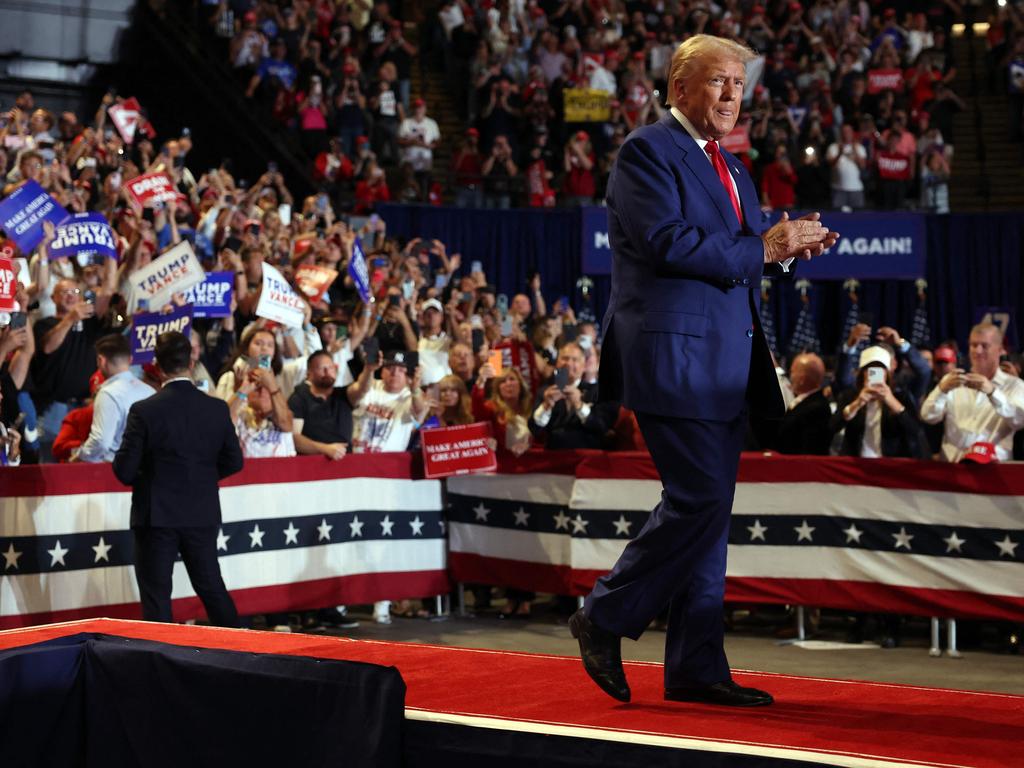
(568, 414)
(878, 419)
(983, 405)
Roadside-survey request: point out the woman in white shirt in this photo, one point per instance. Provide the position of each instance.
(261, 416)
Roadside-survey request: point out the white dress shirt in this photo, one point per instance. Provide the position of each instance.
(971, 416)
(542, 415)
(109, 415)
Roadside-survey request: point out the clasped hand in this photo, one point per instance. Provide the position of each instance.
(802, 238)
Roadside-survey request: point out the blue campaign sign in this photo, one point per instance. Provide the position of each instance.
(212, 297)
(23, 212)
(596, 258)
(360, 274)
(84, 235)
(147, 327)
(872, 246)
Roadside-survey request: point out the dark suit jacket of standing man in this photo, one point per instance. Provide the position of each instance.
(805, 428)
(177, 445)
(683, 348)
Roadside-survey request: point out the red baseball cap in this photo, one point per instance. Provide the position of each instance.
(362, 139)
(419, 103)
(582, 135)
(981, 453)
(472, 132)
(944, 354)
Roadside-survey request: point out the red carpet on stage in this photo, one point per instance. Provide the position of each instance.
(830, 722)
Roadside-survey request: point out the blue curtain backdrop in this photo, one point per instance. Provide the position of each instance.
(973, 260)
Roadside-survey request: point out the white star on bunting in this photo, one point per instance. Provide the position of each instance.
(579, 525)
(57, 554)
(386, 525)
(622, 526)
(101, 551)
(902, 538)
(324, 530)
(853, 534)
(804, 531)
(256, 537)
(757, 530)
(444, 526)
(222, 540)
(355, 527)
(522, 517)
(954, 543)
(291, 534)
(417, 526)
(11, 557)
(561, 521)
(481, 512)
(1007, 547)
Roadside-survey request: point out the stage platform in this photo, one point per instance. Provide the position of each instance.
(468, 707)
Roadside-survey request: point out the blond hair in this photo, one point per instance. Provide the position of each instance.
(696, 51)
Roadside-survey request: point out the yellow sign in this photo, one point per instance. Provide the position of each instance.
(586, 105)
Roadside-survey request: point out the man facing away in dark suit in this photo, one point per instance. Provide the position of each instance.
(684, 349)
(805, 428)
(177, 445)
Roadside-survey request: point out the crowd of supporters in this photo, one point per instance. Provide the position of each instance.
(449, 347)
(850, 104)
(441, 346)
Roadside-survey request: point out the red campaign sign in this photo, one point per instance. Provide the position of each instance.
(127, 117)
(885, 80)
(737, 140)
(152, 188)
(461, 450)
(8, 285)
(314, 280)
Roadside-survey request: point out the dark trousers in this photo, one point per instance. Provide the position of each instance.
(155, 551)
(678, 558)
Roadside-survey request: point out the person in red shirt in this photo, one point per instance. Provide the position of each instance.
(507, 409)
(538, 189)
(580, 185)
(894, 170)
(778, 182)
(332, 165)
(372, 189)
(466, 166)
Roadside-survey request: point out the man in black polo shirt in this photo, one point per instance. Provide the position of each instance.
(65, 359)
(322, 412)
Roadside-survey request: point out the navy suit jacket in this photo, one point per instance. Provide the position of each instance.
(177, 445)
(682, 335)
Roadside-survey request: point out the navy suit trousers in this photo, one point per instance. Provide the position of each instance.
(678, 558)
(155, 552)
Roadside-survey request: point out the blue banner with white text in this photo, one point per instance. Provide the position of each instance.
(23, 212)
(212, 297)
(872, 246)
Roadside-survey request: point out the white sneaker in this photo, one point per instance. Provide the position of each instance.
(382, 612)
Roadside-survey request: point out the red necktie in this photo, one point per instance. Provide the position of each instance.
(723, 175)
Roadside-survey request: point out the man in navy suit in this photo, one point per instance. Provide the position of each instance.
(684, 349)
(177, 445)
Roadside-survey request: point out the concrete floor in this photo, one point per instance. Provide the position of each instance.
(753, 644)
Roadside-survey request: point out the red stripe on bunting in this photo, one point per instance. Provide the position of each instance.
(900, 474)
(67, 479)
(358, 589)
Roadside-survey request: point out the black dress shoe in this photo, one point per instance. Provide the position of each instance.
(600, 651)
(728, 694)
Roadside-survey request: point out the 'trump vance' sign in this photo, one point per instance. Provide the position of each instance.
(147, 327)
(84, 235)
(176, 270)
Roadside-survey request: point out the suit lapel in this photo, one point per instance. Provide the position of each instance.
(697, 161)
